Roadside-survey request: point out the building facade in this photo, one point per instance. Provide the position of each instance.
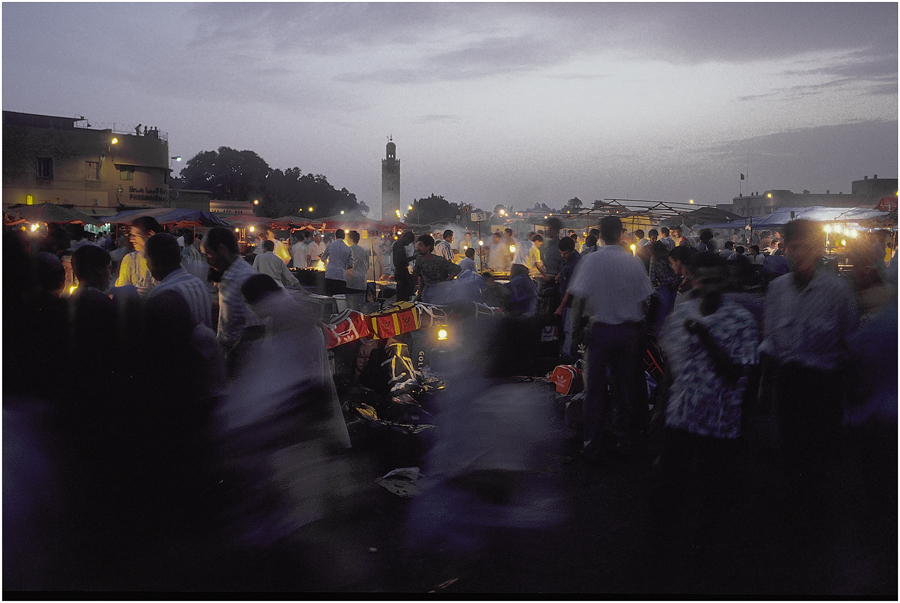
(55, 160)
(867, 192)
(390, 184)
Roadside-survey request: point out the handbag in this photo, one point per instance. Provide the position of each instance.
(396, 319)
(345, 327)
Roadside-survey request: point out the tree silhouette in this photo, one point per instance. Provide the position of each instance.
(230, 175)
(244, 176)
(433, 209)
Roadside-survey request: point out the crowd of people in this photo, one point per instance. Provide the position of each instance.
(157, 374)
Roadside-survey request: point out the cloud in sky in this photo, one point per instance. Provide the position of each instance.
(515, 102)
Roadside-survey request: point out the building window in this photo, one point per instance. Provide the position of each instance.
(92, 170)
(44, 167)
(126, 173)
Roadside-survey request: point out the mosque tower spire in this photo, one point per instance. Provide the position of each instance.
(390, 183)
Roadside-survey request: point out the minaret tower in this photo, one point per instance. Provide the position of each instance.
(390, 184)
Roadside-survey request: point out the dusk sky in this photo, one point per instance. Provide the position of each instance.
(487, 103)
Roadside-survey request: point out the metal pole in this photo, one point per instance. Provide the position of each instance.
(480, 248)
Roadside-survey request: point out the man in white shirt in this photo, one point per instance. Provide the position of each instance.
(270, 264)
(299, 250)
(315, 250)
(338, 259)
(615, 290)
(356, 276)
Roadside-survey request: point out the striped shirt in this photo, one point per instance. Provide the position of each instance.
(193, 290)
(442, 248)
(234, 315)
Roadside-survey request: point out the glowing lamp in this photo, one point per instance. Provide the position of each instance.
(442, 335)
(828, 228)
(115, 141)
(252, 229)
(769, 195)
(481, 242)
(72, 289)
(256, 202)
(512, 248)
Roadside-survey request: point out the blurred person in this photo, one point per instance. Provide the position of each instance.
(356, 276)
(642, 249)
(299, 249)
(498, 257)
(664, 281)
(236, 323)
(179, 476)
(280, 249)
(281, 429)
(468, 262)
(616, 291)
(527, 259)
(164, 260)
(443, 248)
(679, 259)
(755, 256)
(551, 260)
(479, 477)
(810, 315)
(56, 241)
(431, 270)
(570, 258)
(268, 263)
(314, 250)
(711, 344)
(134, 269)
(652, 236)
(192, 259)
(665, 239)
(590, 243)
(587, 246)
(707, 243)
(679, 238)
(375, 252)
(406, 284)
(338, 259)
(727, 252)
(779, 249)
(639, 240)
(467, 243)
